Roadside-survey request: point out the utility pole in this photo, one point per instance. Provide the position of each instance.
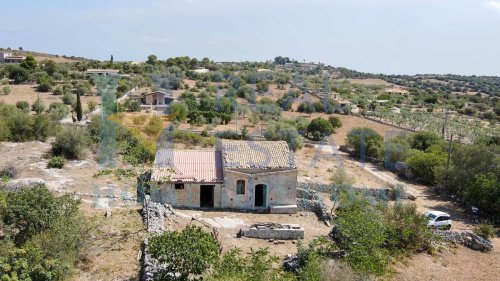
(448, 162)
(445, 124)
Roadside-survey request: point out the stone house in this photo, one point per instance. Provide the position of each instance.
(242, 175)
(155, 100)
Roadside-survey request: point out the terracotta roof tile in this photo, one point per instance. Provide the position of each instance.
(187, 165)
(257, 155)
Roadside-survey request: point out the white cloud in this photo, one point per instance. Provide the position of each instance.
(493, 5)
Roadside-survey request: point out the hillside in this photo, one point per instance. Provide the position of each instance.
(45, 56)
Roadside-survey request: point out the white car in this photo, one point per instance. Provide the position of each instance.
(438, 219)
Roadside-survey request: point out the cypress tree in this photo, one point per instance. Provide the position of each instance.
(78, 107)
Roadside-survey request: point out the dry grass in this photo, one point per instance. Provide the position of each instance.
(366, 81)
(27, 92)
(115, 246)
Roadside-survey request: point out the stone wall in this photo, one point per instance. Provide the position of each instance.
(154, 215)
(280, 189)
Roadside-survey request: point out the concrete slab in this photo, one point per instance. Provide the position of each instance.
(283, 209)
(273, 231)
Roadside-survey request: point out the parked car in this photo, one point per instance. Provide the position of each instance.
(438, 219)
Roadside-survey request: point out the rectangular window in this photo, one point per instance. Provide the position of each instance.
(179, 186)
(240, 187)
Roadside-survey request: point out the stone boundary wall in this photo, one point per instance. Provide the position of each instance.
(154, 219)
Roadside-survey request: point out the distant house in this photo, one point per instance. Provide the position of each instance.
(102, 72)
(243, 175)
(201, 70)
(155, 100)
(9, 58)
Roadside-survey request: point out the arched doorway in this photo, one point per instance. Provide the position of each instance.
(260, 195)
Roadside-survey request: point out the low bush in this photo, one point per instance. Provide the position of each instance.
(365, 142)
(319, 128)
(38, 106)
(191, 138)
(154, 126)
(56, 162)
(424, 164)
(91, 105)
(69, 99)
(23, 105)
(373, 233)
(228, 134)
(188, 253)
(70, 142)
(58, 110)
(284, 131)
(6, 90)
(139, 119)
(47, 239)
(485, 230)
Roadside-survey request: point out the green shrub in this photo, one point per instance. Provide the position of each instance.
(191, 138)
(228, 134)
(154, 126)
(21, 126)
(365, 141)
(69, 99)
(139, 119)
(49, 238)
(6, 90)
(178, 111)
(423, 140)
(42, 127)
(70, 142)
(189, 252)
(23, 105)
(56, 162)
(38, 106)
(58, 91)
(485, 230)
(58, 110)
(335, 121)
(284, 131)
(340, 177)
(91, 105)
(320, 125)
(258, 265)
(424, 165)
(373, 233)
(4, 130)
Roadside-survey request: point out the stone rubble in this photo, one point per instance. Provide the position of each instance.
(467, 239)
(154, 215)
(310, 200)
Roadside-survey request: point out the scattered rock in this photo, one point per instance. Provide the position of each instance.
(467, 239)
(108, 213)
(292, 263)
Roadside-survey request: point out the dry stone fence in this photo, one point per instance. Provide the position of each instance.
(154, 215)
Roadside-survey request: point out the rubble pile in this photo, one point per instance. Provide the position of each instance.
(467, 239)
(310, 200)
(292, 263)
(154, 215)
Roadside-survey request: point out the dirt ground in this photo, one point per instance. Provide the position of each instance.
(115, 246)
(113, 253)
(229, 223)
(457, 263)
(349, 122)
(27, 92)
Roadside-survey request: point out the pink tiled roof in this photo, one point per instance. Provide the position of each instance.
(187, 165)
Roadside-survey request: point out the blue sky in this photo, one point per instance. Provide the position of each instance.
(384, 36)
